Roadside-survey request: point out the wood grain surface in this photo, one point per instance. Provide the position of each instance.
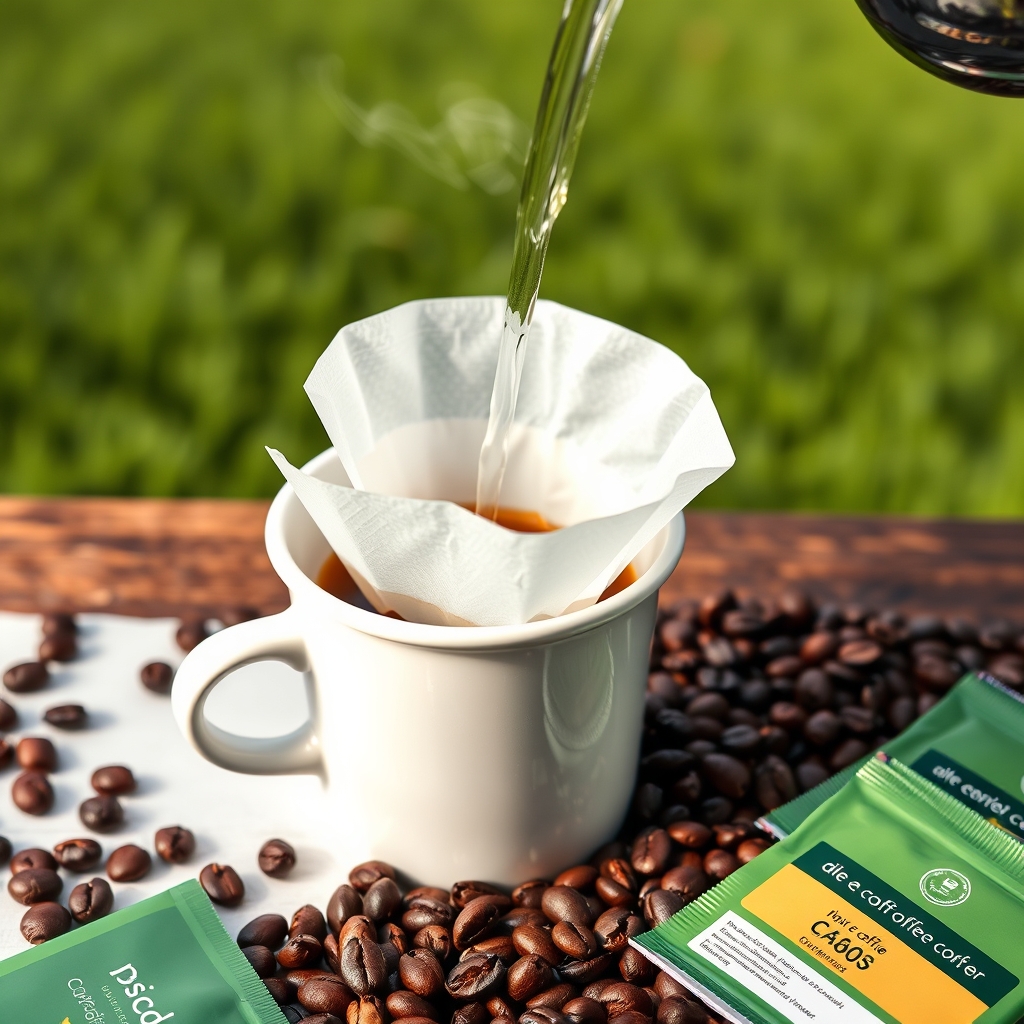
(201, 557)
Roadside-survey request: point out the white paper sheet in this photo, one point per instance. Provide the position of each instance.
(231, 815)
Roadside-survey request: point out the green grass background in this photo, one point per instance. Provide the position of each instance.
(831, 238)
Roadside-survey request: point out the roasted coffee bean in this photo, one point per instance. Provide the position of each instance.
(650, 852)
(541, 1015)
(552, 998)
(59, 622)
(8, 717)
(499, 1009)
(364, 1010)
(157, 676)
(689, 882)
(113, 780)
(308, 920)
(846, 753)
(529, 975)
(635, 967)
(32, 858)
(437, 939)
(191, 633)
(582, 972)
(576, 940)
(32, 793)
(611, 929)
(612, 893)
(822, 728)
(101, 813)
(5, 849)
(175, 844)
(499, 945)
(584, 1011)
(691, 834)
(223, 885)
(581, 877)
(35, 885)
(475, 976)
(58, 647)
(362, 876)
(299, 951)
(425, 910)
(529, 894)
(471, 1013)
(362, 965)
(676, 1010)
(261, 960)
(276, 858)
(278, 988)
(89, 901)
(727, 774)
(344, 903)
(27, 677)
(810, 773)
(463, 893)
(560, 903)
(45, 921)
(477, 920)
(774, 783)
(619, 871)
(666, 987)
(332, 952)
(719, 864)
(67, 716)
(529, 939)
(660, 905)
(421, 972)
(751, 848)
(325, 995)
(266, 930)
(35, 752)
(407, 1004)
(358, 927)
(128, 863)
(621, 997)
(382, 899)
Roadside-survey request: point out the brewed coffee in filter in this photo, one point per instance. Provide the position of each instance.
(613, 435)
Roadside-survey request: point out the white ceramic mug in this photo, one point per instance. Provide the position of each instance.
(494, 753)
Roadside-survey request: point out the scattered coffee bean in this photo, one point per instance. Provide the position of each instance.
(222, 885)
(191, 633)
(266, 930)
(129, 863)
(25, 860)
(78, 854)
(175, 844)
(6, 754)
(343, 904)
(101, 813)
(276, 858)
(308, 920)
(5, 849)
(67, 716)
(325, 995)
(45, 921)
(362, 876)
(113, 780)
(421, 973)
(32, 793)
(38, 753)
(362, 966)
(477, 975)
(157, 676)
(90, 901)
(59, 647)
(27, 677)
(35, 885)
(8, 717)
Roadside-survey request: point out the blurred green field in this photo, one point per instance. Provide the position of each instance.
(189, 211)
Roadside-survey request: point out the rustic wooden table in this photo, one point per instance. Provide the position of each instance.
(170, 557)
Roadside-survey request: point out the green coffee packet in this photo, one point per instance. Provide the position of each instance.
(167, 958)
(893, 902)
(970, 744)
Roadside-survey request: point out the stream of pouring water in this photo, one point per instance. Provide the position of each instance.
(572, 72)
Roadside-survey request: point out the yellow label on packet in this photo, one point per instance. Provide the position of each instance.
(869, 957)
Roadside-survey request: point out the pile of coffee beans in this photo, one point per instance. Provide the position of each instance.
(749, 703)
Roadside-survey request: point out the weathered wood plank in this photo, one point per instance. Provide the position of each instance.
(169, 557)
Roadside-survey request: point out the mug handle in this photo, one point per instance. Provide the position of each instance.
(274, 638)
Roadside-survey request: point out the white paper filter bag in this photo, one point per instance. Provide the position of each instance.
(613, 435)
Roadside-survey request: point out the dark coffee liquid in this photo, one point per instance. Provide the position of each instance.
(977, 44)
(334, 578)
